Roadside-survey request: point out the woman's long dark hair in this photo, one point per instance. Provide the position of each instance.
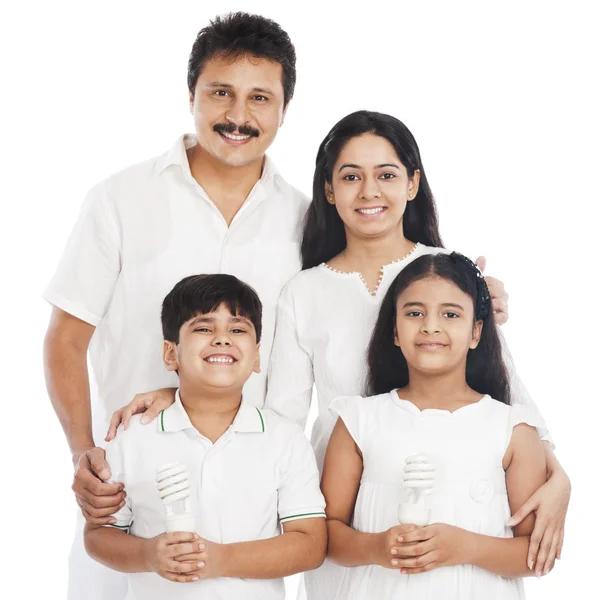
(324, 236)
(486, 371)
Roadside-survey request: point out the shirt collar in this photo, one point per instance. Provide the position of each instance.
(177, 155)
(249, 418)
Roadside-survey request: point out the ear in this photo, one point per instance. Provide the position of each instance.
(191, 103)
(284, 112)
(329, 194)
(476, 335)
(170, 355)
(256, 368)
(413, 185)
(396, 340)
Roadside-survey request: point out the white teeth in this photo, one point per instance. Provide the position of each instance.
(370, 211)
(220, 359)
(236, 137)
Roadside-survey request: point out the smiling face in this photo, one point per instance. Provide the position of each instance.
(238, 107)
(434, 326)
(217, 350)
(370, 187)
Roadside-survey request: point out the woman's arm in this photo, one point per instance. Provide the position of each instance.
(550, 502)
(290, 376)
(340, 483)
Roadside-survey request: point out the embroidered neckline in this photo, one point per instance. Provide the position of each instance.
(381, 271)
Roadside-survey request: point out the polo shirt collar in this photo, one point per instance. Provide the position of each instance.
(249, 418)
(177, 155)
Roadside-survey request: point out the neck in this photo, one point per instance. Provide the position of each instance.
(211, 411)
(445, 390)
(226, 185)
(377, 251)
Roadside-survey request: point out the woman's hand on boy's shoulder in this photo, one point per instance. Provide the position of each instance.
(430, 547)
(149, 403)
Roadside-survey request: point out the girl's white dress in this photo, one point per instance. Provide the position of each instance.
(467, 447)
(324, 323)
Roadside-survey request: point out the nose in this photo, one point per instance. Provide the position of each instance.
(431, 325)
(222, 340)
(370, 189)
(238, 112)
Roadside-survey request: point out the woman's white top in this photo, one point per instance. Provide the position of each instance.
(325, 319)
(467, 447)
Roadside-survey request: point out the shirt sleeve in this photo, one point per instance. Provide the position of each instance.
(299, 495)
(519, 393)
(348, 409)
(290, 377)
(84, 281)
(116, 462)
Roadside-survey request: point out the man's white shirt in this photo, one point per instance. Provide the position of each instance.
(140, 232)
(261, 472)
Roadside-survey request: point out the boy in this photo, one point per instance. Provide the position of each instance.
(249, 469)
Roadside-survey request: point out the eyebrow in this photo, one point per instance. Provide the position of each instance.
(381, 166)
(206, 319)
(445, 305)
(218, 84)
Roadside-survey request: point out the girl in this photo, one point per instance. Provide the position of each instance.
(371, 206)
(434, 345)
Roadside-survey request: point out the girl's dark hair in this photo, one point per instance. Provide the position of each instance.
(237, 34)
(324, 236)
(202, 294)
(486, 371)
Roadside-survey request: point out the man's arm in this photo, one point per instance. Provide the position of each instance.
(67, 381)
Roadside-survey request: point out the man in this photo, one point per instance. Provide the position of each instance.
(213, 204)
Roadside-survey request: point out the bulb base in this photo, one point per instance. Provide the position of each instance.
(181, 522)
(413, 514)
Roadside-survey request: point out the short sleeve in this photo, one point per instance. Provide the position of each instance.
(299, 495)
(348, 409)
(521, 413)
(115, 460)
(84, 281)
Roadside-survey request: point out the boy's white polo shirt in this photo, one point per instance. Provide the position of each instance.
(144, 229)
(260, 473)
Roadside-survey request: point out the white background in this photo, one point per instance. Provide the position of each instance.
(503, 100)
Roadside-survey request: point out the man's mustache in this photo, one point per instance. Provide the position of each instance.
(231, 127)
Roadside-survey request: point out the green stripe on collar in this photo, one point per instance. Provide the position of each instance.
(162, 420)
(262, 422)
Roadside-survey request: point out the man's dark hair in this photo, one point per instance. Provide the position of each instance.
(203, 294)
(238, 34)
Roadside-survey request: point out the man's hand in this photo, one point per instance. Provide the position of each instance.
(497, 293)
(97, 500)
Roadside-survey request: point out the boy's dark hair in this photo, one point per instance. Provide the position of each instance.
(203, 294)
(486, 371)
(238, 34)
